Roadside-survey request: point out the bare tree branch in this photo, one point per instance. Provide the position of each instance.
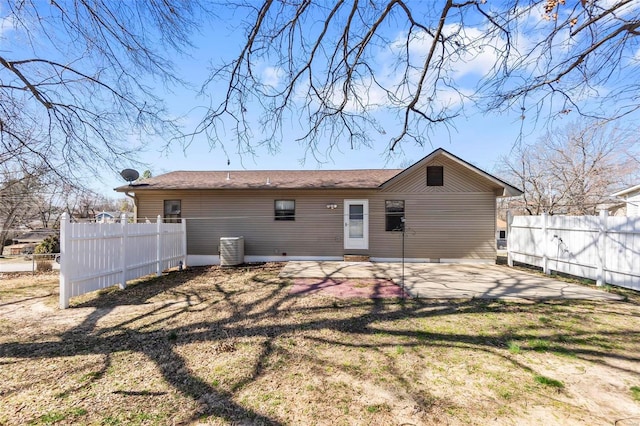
(76, 96)
(340, 67)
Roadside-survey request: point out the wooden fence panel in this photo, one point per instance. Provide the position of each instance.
(602, 248)
(99, 255)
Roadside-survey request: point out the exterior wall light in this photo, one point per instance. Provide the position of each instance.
(332, 206)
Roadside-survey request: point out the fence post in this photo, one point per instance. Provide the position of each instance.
(123, 250)
(509, 221)
(159, 246)
(545, 245)
(65, 261)
(184, 242)
(602, 248)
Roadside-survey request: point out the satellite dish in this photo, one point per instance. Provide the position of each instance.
(129, 175)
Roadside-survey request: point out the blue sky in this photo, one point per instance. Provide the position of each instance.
(477, 138)
(480, 139)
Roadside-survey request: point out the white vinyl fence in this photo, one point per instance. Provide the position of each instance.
(602, 248)
(99, 255)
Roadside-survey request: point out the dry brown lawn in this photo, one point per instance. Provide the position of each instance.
(214, 346)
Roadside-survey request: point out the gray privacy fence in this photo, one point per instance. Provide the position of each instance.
(602, 248)
(99, 255)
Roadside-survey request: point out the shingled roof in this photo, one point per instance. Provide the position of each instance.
(265, 179)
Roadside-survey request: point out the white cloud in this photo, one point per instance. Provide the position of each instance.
(7, 23)
(473, 52)
(628, 8)
(470, 51)
(272, 76)
(364, 95)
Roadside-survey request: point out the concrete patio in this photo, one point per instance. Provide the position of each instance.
(447, 281)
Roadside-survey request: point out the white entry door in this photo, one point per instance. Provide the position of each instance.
(356, 224)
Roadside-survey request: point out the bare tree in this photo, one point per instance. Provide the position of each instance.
(78, 88)
(33, 199)
(75, 75)
(334, 67)
(18, 196)
(573, 170)
(82, 203)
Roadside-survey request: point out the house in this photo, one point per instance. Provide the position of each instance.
(107, 217)
(445, 206)
(35, 236)
(631, 196)
(501, 234)
(112, 217)
(27, 241)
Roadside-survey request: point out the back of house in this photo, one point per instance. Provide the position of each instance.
(440, 209)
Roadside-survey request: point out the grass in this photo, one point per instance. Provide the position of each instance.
(514, 347)
(231, 346)
(48, 418)
(547, 381)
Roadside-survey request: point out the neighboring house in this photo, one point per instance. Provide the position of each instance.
(614, 208)
(501, 234)
(631, 196)
(17, 249)
(34, 237)
(446, 206)
(112, 217)
(27, 241)
(107, 217)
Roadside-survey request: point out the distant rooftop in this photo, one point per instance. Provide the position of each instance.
(35, 235)
(627, 191)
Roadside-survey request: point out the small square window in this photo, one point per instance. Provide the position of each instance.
(394, 215)
(285, 210)
(172, 211)
(435, 176)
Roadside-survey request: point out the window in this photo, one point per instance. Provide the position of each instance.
(503, 235)
(285, 210)
(172, 211)
(435, 176)
(394, 213)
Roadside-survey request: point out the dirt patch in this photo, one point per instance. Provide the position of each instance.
(235, 346)
(347, 288)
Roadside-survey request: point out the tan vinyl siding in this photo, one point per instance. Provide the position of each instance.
(453, 221)
(439, 225)
(449, 226)
(457, 178)
(211, 214)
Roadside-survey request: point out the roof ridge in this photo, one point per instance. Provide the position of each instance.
(279, 170)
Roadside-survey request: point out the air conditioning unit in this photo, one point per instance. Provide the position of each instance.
(231, 251)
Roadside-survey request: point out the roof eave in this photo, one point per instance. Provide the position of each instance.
(511, 191)
(227, 188)
(626, 191)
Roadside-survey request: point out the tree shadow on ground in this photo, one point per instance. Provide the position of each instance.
(217, 306)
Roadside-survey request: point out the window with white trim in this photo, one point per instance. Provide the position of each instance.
(393, 215)
(285, 210)
(172, 211)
